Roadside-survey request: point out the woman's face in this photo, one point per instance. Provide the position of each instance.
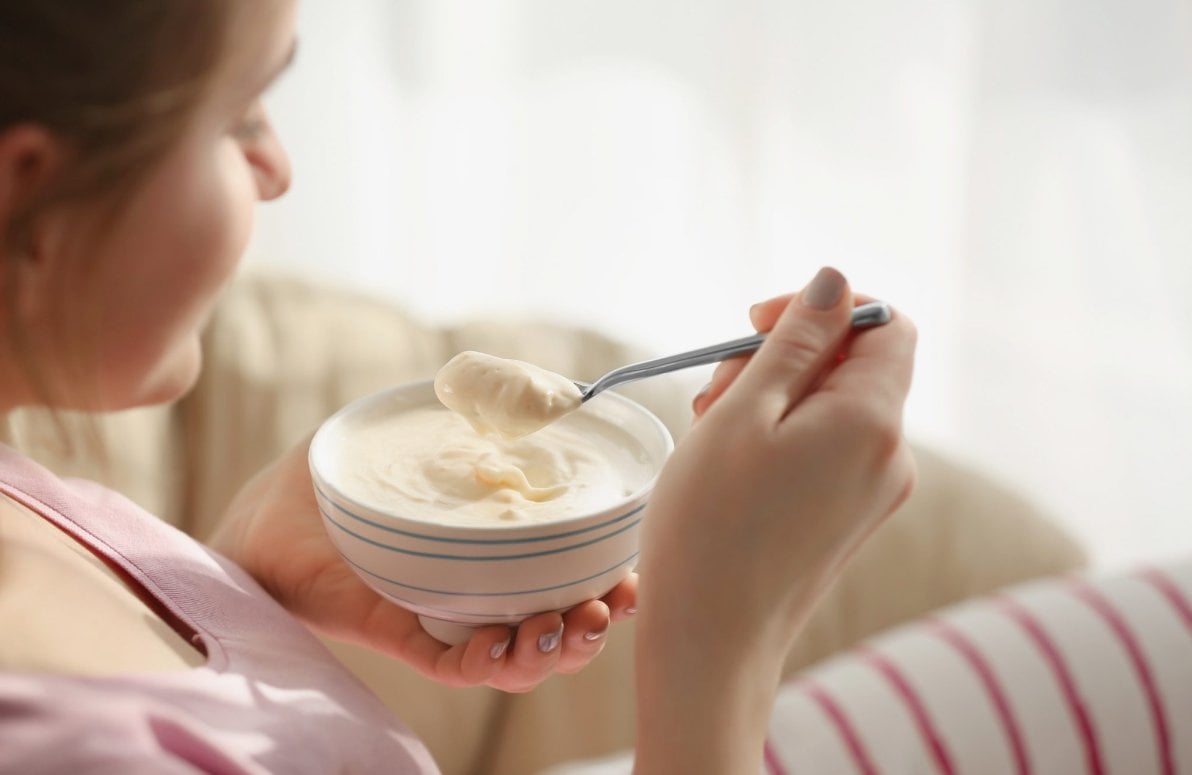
(149, 285)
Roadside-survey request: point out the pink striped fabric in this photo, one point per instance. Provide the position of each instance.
(856, 749)
(1060, 677)
(1063, 677)
(972, 654)
(1142, 670)
(1171, 592)
(889, 670)
(772, 763)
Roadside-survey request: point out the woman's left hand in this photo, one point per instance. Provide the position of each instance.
(273, 530)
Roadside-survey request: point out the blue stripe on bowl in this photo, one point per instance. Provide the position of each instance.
(494, 541)
(449, 593)
(473, 558)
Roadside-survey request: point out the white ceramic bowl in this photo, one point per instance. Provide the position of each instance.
(457, 577)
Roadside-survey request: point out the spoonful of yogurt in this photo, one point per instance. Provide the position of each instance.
(511, 398)
(502, 396)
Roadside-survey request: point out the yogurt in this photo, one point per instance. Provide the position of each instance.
(502, 396)
(427, 462)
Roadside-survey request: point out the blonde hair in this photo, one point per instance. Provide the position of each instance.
(116, 83)
(116, 80)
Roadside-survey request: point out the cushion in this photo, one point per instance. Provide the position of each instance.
(1073, 674)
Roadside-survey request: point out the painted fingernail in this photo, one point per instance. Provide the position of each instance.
(497, 650)
(825, 290)
(593, 636)
(548, 642)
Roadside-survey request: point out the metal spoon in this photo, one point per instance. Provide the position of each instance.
(865, 316)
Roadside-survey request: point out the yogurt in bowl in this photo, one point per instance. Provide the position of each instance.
(469, 530)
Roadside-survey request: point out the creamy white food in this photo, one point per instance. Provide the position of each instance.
(502, 396)
(429, 463)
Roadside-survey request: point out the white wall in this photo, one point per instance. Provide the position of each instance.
(1015, 174)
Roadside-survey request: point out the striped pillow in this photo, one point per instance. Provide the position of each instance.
(1067, 676)
(1059, 677)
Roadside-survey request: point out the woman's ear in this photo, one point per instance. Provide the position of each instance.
(31, 159)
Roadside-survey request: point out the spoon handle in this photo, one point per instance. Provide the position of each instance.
(865, 316)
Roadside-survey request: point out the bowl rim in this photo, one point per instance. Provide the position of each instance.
(634, 499)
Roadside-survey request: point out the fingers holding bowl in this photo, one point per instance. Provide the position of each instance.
(622, 599)
(585, 630)
(533, 654)
(517, 661)
(567, 646)
(477, 660)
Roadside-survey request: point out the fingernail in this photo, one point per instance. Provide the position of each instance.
(754, 311)
(548, 642)
(825, 290)
(591, 636)
(497, 650)
(630, 611)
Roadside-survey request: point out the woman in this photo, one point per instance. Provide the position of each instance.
(133, 147)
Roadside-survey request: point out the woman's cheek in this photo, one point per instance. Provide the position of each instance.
(239, 199)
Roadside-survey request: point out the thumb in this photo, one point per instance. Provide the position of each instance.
(801, 346)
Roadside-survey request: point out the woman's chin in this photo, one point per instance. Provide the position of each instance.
(172, 379)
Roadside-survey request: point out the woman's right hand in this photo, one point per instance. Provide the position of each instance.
(797, 457)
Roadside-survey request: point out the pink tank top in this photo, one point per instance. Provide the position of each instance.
(270, 698)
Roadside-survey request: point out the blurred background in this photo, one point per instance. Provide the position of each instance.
(1016, 175)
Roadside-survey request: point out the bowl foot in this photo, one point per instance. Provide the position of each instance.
(451, 633)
